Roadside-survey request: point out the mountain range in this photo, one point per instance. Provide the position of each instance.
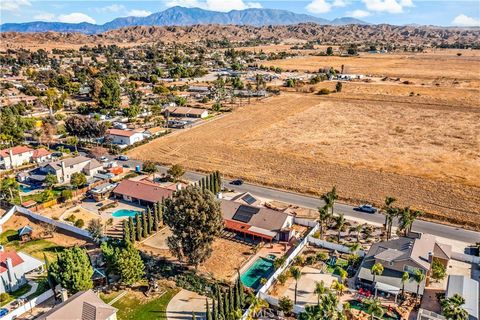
(180, 16)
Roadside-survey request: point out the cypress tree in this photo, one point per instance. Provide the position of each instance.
(150, 221)
(214, 310)
(209, 315)
(238, 305)
(226, 304)
(161, 205)
(155, 218)
(144, 224)
(219, 181)
(241, 290)
(126, 232)
(213, 179)
(138, 225)
(231, 299)
(221, 310)
(207, 182)
(131, 226)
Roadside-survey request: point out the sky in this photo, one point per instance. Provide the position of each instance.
(399, 12)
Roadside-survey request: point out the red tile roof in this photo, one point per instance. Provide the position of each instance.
(143, 190)
(40, 153)
(122, 133)
(16, 260)
(15, 150)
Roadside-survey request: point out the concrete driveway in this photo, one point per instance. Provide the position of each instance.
(184, 303)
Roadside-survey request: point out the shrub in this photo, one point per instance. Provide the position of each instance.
(71, 218)
(4, 296)
(323, 91)
(285, 304)
(322, 256)
(311, 260)
(282, 278)
(79, 223)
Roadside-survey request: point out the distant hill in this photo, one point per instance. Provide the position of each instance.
(180, 16)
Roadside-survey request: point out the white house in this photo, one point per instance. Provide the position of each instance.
(13, 268)
(64, 169)
(16, 156)
(124, 137)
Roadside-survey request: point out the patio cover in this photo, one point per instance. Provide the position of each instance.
(30, 263)
(265, 232)
(387, 288)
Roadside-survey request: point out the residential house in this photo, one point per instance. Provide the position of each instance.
(468, 289)
(64, 168)
(102, 191)
(124, 137)
(13, 269)
(15, 157)
(155, 131)
(143, 192)
(41, 155)
(257, 222)
(405, 254)
(83, 305)
(186, 112)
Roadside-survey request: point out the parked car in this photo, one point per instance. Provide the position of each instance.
(123, 158)
(366, 208)
(103, 159)
(237, 182)
(3, 312)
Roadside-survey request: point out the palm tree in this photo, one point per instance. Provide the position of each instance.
(405, 278)
(374, 307)
(419, 276)
(327, 309)
(256, 304)
(342, 273)
(296, 274)
(354, 247)
(390, 214)
(452, 308)
(377, 269)
(338, 286)
(340, 222)
(323, 218)
(388, 205)
(407, 217)
(320, 289)
(329, 198)
(358, 229)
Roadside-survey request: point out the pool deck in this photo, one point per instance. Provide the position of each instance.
(107, 214)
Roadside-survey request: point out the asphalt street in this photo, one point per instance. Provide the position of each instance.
(437, 229)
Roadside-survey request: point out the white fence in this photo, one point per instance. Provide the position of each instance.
(7, 216)
(29, 305)
(305, 222)
(465, 257)
(56, 223)
(333, 246)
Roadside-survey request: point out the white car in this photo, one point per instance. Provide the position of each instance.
(103, 159)
(123, 158)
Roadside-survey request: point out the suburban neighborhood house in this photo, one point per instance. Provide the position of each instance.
(124, 137)
(468, 288)
(13, 268)
(64, 169)
(187, 112)
(143, 192)
(257, 222)
(15, 157)
(409, 254)
(84, 305)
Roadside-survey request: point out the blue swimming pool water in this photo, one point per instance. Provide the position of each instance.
(125, 213)
(25, 188)
(261, 268)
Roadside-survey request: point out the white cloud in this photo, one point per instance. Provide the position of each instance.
(465, 21)
(215, 5)
(139, 13)
(44, 16)
(323, 6)
(75, 17)
(13, 5)
(389, 6)
(111, 9)
(358, 13)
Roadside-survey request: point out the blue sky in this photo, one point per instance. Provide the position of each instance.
(434, 12)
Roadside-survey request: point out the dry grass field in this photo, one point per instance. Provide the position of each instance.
(371, 140)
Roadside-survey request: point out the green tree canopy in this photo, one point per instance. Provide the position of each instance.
(195, 219)
(109, 96)
(78, 179)
(176, 171)
(72, 270)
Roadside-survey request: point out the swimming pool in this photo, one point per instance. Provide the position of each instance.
(125, 213)
(388, 315)
(25, 189)
(261, 268)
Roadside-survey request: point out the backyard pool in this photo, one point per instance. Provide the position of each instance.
(388, 315)
(261, 268)
(125, 213)
(25, 189)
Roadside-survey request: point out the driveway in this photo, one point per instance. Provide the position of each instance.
(184, 303)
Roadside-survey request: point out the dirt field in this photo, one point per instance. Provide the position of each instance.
(425, 152)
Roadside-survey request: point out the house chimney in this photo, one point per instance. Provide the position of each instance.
(62, 163)
(178, 186)
(63, 294)
(10, 154)
(430, 256)
(11, 274)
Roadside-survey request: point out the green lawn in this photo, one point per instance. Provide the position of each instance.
(15, 294)
(132, 307)
(340, 263)
(36, 248)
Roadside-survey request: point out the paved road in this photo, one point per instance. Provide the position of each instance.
(306, 201)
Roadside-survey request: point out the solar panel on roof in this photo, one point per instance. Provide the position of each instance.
(249, 199)
(245, 213)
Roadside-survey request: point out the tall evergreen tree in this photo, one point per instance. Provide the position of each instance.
(237, 303)
(126, 232)
(231, 299)
(131, 227)
(207, 182)
(209, 314)
(138, 226)
(212, 183)
(240, 290)
(214, 310)
(219, 181)
(221, 310)
(150, 221)
(155, 217)
(161, 207)
(144, 224)
(226, 304)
